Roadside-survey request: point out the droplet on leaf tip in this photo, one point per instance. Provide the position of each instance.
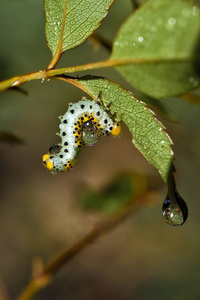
(174, 209)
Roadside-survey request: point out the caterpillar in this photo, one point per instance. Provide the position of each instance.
(82, 124)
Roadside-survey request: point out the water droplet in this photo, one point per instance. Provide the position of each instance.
(171, 21)
(174, 209)
(140, 38)
(91, 134)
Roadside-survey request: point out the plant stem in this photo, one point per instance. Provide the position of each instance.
(20, 79)
(92, 66)
(53, 267)
(98, 39)
(59, 51)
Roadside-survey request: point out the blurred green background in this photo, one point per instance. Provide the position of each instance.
(40, 214)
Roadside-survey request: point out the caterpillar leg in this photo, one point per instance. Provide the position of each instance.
(100, 102)
(116, 129)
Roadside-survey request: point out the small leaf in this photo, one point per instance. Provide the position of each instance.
(10, 138)
(114, 196)
(70, 22)
(163, 37)
(147, 132)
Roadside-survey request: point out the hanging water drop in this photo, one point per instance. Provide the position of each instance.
(174, 209)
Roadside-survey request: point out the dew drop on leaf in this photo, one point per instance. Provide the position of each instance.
(91, 134)
(171, 21)
(174, 209)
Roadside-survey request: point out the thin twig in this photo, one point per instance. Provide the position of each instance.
(21, 79)
(63, 258)
(99, 39)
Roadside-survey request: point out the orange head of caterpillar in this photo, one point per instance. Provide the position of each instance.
(116, 130)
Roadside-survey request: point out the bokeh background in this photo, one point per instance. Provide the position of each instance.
(40, 214)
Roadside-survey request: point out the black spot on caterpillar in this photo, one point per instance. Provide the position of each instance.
(83, 123)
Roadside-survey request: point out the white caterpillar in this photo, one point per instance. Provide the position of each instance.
(83, 116)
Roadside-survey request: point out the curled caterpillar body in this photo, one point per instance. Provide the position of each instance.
(83, 123)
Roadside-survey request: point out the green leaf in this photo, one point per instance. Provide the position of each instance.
(115, 195)
(147, 132)
(70, 22)
(159, 107)
(162, 40)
